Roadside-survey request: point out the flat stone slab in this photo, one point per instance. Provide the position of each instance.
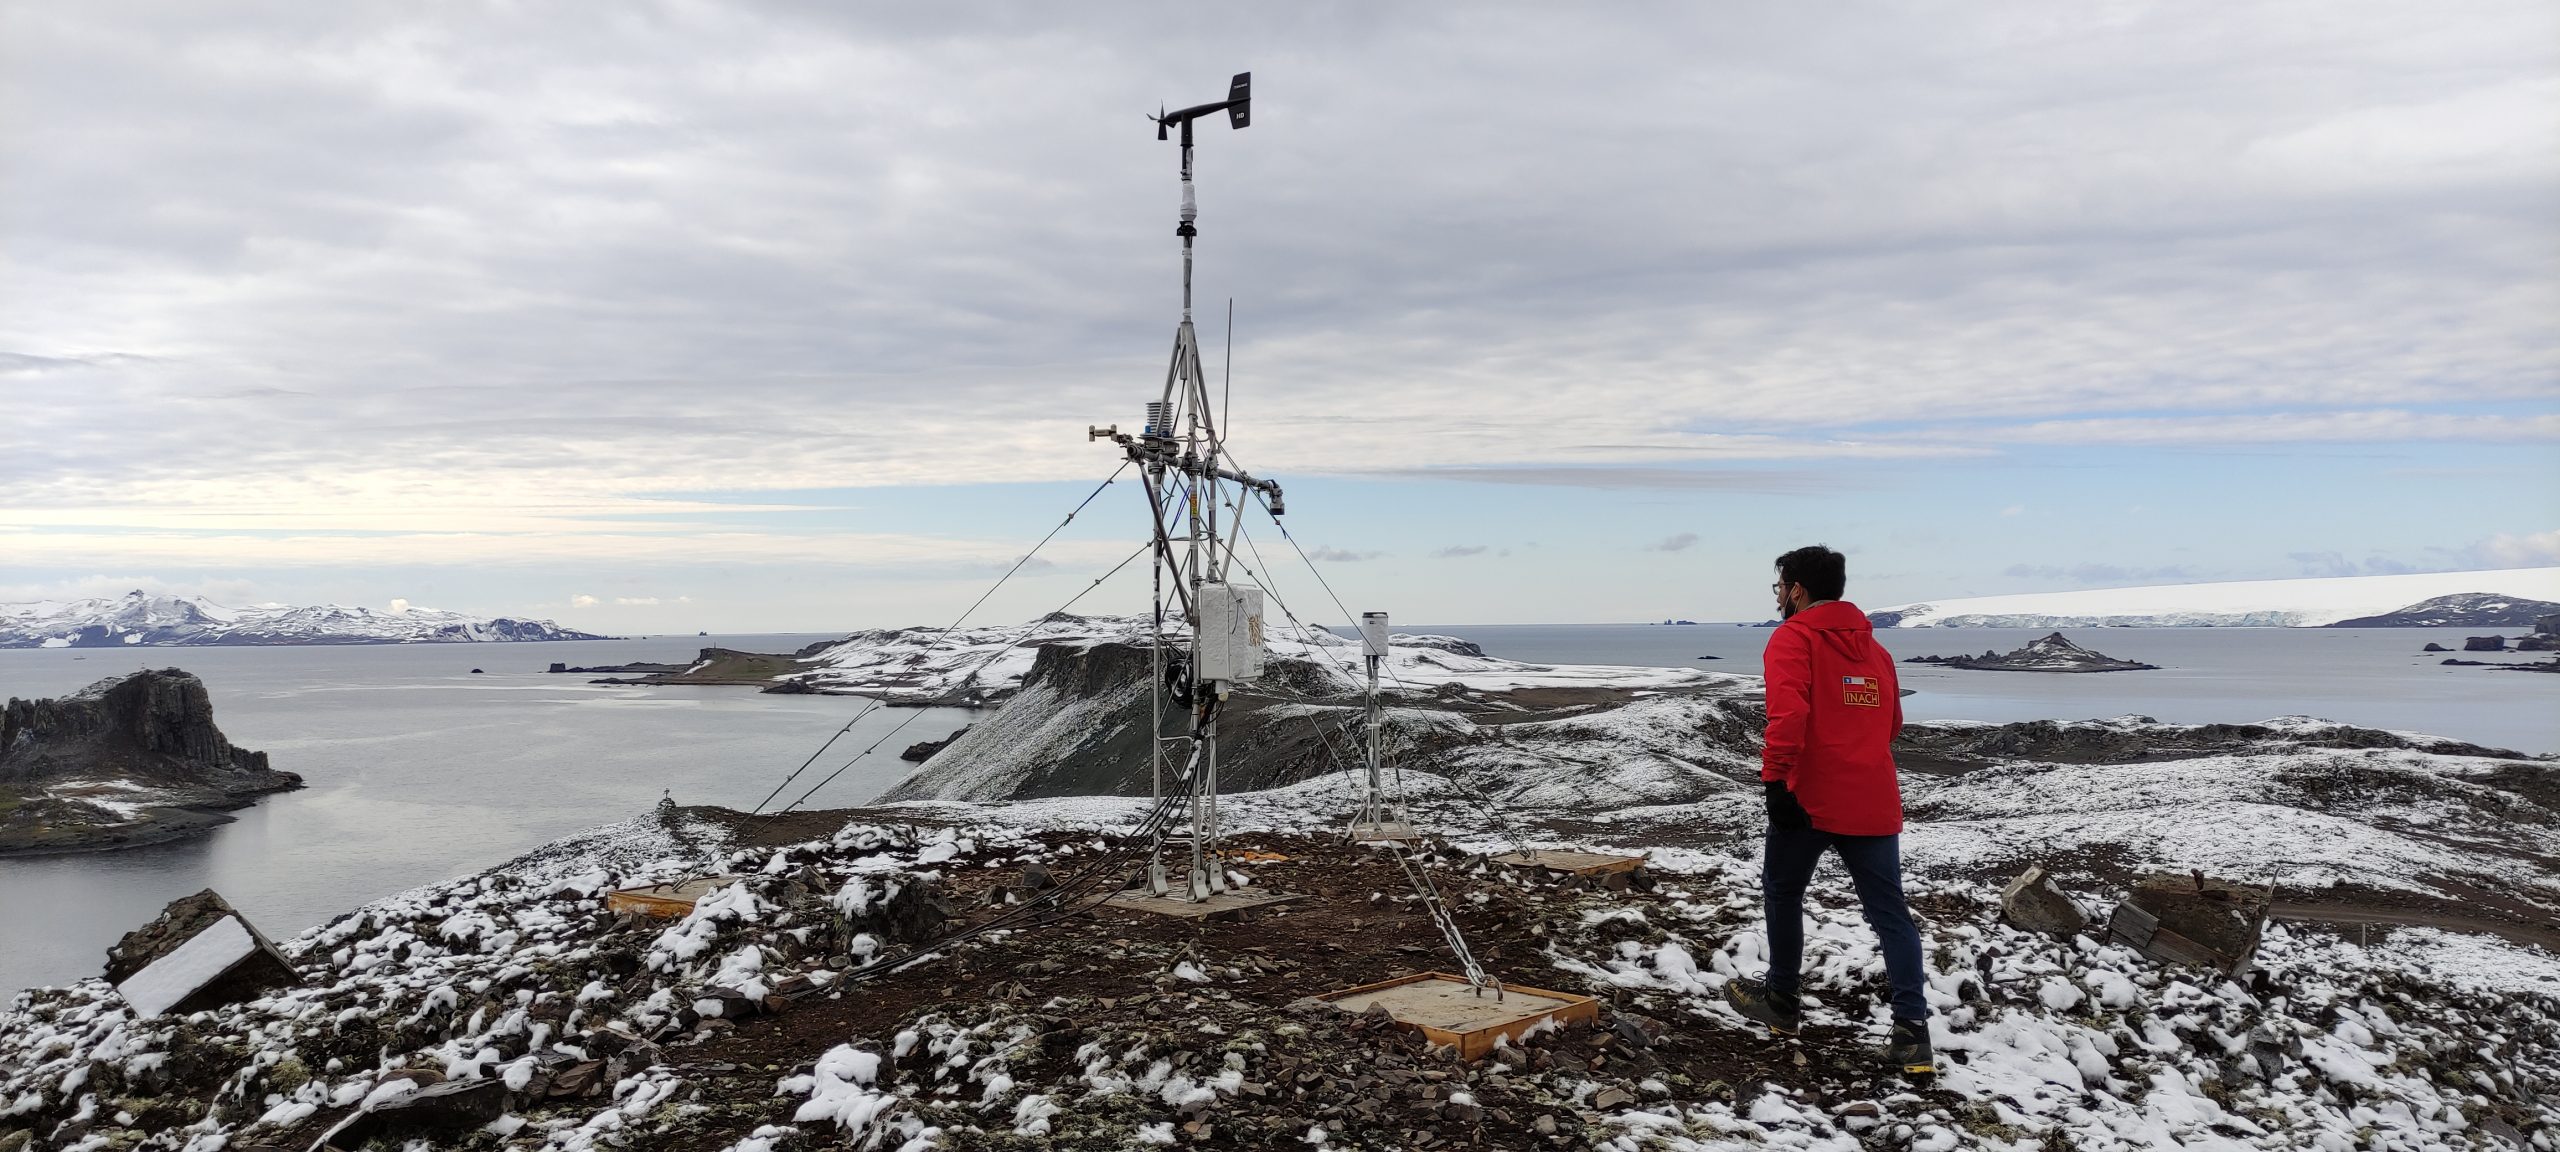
(1217, 907)
(1560, 860)
(1446, 1009)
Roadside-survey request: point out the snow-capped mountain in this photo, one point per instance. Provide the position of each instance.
(2310, 603)
(143, 620)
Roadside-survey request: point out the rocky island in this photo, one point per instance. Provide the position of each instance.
(2052, 653)
(129, 760)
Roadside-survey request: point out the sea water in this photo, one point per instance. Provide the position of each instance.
(416, 770)
(419, 770)
(2374, 677)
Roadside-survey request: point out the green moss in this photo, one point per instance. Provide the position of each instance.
(288, 1074)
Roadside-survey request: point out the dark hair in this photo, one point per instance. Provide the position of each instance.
(1823, 572)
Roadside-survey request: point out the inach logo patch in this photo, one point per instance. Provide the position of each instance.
(1861, 692)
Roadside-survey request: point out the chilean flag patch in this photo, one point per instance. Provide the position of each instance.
(1861, 692)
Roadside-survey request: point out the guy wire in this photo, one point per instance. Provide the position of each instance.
(983, 661)
(876, 701)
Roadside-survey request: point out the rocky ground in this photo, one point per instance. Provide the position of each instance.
(936, 972)
(511, 1010)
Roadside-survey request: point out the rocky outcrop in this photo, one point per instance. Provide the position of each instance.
(923, 750)
(132, 759)
(1079, 727)
(2052, 653)
(2484, 643)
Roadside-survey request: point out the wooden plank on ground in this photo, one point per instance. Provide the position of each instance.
(1563, 860)
(1447, 1010)
(665, 900)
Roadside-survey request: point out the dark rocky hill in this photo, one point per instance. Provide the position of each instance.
(1079, 727)
(132, 759)
(2460, 610)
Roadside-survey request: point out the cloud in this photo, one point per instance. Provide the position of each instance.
(399, 605)
(347, 286)
(554, 261)
(2105, 575)
(1677, 542)
(2284, 427)
(2519, 550)
(1456, 551)
(596, 544)
(650, 601)
(2014, 510)
(220, 591)
(1627, 478)
(1027, 564)
(2337, 563)
(582, 600)
(1333, 555)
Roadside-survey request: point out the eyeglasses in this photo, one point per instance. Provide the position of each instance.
(1780, 588)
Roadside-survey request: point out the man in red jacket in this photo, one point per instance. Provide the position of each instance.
(1827, 774)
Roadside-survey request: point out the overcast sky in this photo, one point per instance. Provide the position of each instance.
(650, 317)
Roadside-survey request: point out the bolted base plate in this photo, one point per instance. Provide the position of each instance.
(1219, 906)
(1383, 832)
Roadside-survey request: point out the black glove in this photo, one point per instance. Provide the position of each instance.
(1784, 813)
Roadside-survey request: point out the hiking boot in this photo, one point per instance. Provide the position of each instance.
(1909, 1049)
(1753, 999)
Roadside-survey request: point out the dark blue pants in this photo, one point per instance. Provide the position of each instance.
(1875, 867)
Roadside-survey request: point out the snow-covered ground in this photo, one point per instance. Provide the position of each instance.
(582, 1033)
(140, 619)
(2248, 603)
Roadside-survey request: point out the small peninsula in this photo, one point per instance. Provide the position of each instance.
(129, 760)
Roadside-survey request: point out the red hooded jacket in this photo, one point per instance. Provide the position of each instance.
(1834, 707)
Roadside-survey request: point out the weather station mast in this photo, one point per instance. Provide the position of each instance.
(1181, 456)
